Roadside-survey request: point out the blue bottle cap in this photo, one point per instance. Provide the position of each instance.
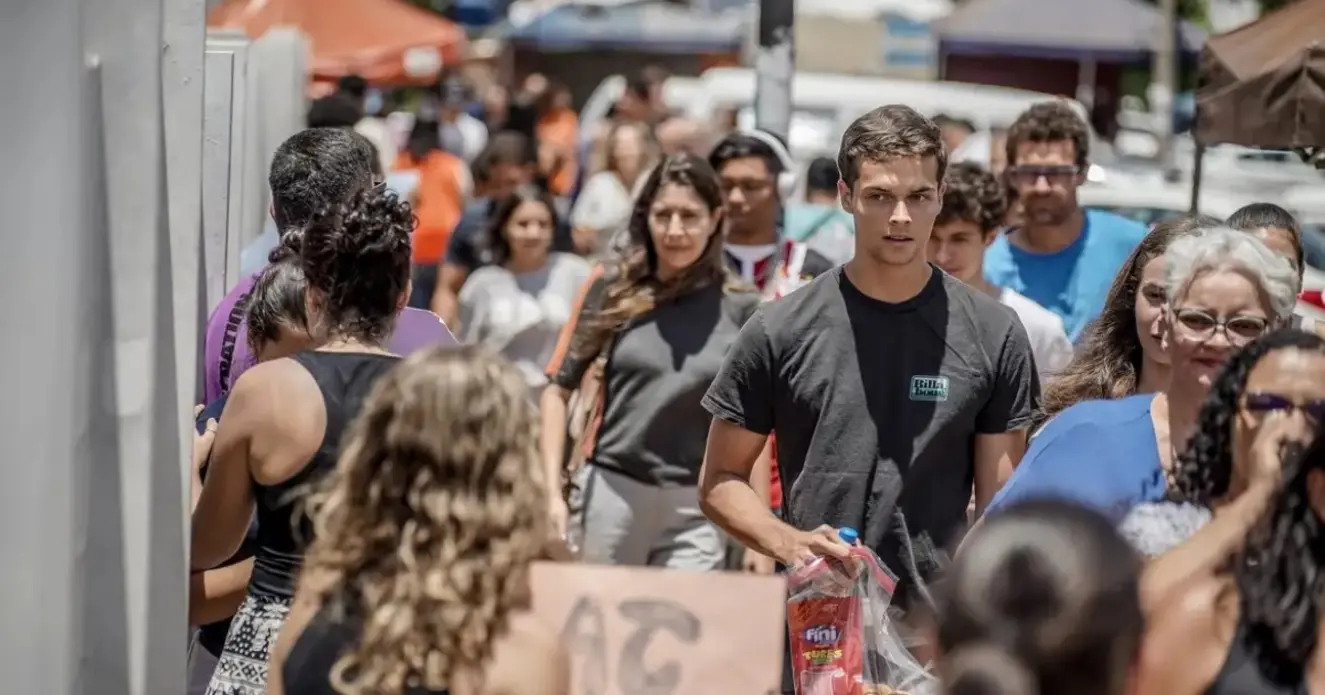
(848, 535)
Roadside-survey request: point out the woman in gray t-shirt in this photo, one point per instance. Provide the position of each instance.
(518, 304)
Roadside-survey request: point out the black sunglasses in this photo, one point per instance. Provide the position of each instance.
(1262, 403)
(1029, 173)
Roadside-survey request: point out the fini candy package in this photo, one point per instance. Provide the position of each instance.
(841, 640)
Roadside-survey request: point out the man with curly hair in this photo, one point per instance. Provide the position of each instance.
(1062, 256)
(974, 204)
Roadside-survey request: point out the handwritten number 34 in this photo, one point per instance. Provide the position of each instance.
(586, 636)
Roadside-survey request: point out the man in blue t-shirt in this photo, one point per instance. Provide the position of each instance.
(1062, 256)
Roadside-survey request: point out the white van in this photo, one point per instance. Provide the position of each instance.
(849, 96)
(1150, 199)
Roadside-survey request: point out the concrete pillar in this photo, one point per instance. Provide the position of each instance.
(126, 37)
(53, 362)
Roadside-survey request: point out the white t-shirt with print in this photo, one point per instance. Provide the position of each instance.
(1049, 342)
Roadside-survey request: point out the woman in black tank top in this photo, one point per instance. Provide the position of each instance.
(418, 574)
(1042, 600)
(285, 418)
(1250, 626)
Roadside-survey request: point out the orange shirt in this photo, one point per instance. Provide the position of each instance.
(439, 201)
(560, 131)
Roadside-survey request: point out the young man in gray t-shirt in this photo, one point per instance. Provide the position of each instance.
(894, 389)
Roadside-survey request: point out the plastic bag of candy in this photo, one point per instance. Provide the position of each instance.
(842, 639)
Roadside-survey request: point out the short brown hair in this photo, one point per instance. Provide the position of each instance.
(889, 132)
(973, 195)
(1050, 121)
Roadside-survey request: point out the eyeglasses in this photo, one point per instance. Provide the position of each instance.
(1261, 403)
(1028, 174)
(1238, 330)
(747, 187)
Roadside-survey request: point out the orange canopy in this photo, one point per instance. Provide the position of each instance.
(387, 41)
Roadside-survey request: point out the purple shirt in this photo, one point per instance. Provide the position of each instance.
(226, 354)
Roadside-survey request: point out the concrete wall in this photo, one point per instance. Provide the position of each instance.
(99, 306)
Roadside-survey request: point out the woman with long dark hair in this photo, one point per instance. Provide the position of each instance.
(417, 580)
(285, 418)
(1223, 290)
(658, 322)
(1120, 354)
(1042, 601)
(1246, 618)
(517, 305)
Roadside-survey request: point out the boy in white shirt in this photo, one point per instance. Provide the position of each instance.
(974, 204)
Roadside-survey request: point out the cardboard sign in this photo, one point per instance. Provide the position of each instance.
(642, 631)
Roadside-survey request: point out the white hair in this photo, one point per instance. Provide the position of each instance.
(1221, 248)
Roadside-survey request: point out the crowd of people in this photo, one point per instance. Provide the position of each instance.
(1090, 451)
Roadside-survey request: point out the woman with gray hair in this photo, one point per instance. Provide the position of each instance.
(1224, 290)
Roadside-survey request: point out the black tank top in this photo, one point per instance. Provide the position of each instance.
(307, 670)
(1241, 675)
(344, 378)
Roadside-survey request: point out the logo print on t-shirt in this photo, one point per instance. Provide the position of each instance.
(929, 388)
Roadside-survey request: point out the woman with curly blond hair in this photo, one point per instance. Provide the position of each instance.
(418, 578)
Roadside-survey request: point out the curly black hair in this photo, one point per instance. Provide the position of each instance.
(315, 168)
(974, 195)
(1205, 467)
(1280, 577)
(1050, 121)
(357, 256)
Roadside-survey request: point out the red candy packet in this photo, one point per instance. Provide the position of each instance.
(841, 640)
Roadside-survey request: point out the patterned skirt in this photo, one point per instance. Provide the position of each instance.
(242, 668)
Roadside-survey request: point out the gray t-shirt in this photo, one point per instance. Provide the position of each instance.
(520, 315)
(653, 428)
(876, 406)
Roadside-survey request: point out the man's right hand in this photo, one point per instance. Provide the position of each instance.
(802, 547)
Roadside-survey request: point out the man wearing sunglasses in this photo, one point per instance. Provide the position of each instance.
(1062, 257)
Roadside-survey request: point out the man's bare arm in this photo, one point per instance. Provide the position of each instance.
(729, 498)
(995, 457)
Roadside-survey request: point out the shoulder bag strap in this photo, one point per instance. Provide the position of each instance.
(587, 401)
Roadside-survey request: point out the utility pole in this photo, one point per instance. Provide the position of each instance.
(1164, 80)
(775, 62)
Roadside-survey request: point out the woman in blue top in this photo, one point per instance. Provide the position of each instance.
(1224, 290)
